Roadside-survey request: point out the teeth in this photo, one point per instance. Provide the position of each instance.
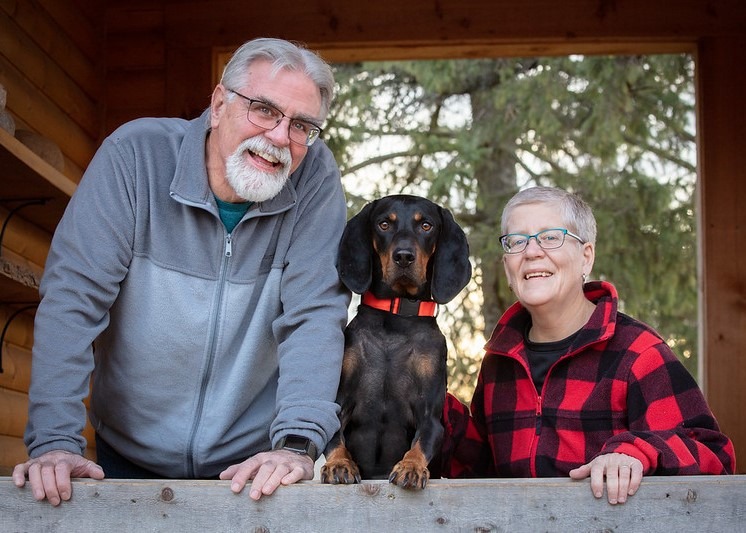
(268, 157)
(537, 275)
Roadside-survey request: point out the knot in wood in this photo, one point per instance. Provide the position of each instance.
(167, 494)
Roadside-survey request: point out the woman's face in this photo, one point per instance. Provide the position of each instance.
(546, 278)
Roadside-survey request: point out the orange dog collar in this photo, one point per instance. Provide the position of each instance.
(401, 306)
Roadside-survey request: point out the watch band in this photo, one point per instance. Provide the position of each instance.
(298, 444)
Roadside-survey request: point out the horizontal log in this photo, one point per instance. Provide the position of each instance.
(17, 284)
(21, 329)
(25, 176)
(35, 108)
(81, 22)
(51, 77)
(12, 452)
(28, 233)
(59, 43)
(16, 375)
(698, 503)
(13, 409)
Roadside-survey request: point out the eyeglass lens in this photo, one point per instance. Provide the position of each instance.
(268, 117)
(547, 239)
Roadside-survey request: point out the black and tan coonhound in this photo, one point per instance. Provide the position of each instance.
(404, 255)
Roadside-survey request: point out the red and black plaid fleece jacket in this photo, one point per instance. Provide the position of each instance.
(619, 389)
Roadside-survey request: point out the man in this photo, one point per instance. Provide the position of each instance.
(200, 257)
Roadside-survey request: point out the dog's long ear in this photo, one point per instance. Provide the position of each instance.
(451, 265)
(354, 262)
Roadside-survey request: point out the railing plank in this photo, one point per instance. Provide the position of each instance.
(687, 503)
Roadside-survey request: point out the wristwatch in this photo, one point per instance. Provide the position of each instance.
(299, 445)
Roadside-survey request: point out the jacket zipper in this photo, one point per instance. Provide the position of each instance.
(227, 253)
(535, 440)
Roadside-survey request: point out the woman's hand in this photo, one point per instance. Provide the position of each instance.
(623, 475)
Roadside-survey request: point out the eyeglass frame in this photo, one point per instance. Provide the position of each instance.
(310, 139)
(535, 236)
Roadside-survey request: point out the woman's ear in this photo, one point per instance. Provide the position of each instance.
(589, 257)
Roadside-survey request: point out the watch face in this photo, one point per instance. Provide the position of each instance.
(296, 443)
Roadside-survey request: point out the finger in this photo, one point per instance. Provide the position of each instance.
(94, 471)
(34, 478)
(580, 472)
(625, 472)
(241, 474)
(49, 484)
(612, 484)
(62, 480)
(597, 479)
(636, 479)
(19, 474)
(268, 478)
(229, 472)
(299, 471)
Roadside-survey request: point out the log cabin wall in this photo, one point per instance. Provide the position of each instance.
(158, 59)
(52, 71)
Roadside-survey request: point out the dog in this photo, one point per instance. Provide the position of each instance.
(405, 255)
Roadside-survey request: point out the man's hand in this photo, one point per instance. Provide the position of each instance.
(623, 476)
(269, 470)
(50, 474)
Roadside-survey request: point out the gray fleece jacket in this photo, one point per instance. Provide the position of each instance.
(209, 346)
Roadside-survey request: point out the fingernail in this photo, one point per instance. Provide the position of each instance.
(235, 487)
(255, 494)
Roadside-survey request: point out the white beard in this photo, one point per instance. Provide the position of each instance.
(250, 183)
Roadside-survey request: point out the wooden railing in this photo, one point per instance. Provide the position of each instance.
(667, 504)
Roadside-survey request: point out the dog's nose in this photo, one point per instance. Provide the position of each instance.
(403, 257)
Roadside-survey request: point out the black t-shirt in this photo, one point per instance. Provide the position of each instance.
(542, 355)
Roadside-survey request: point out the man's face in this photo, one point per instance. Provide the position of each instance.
(256, 162)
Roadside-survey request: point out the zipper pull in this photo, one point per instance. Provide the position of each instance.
(538, 416)
(228, 246)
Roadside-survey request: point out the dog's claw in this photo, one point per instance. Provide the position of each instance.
(409, 477)
(340, 474)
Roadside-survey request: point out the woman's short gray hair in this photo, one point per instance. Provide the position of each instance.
(576, 214)
(283, 55)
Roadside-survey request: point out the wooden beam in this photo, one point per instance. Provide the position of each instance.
(721, 119)
(447, 22)
(697, 503)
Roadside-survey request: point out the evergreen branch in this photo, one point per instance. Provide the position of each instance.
(659, 152)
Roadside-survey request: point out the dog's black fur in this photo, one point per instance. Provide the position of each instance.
(393, 382)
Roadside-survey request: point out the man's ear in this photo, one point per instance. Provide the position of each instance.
(218, 101)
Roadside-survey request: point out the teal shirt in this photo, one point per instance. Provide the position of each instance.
(231, 214)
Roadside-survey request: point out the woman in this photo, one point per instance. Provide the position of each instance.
(569, 385)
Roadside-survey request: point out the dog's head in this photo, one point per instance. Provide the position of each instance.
(404, 246)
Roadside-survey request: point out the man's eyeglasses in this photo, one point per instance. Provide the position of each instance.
(548, 239)
(268, 117)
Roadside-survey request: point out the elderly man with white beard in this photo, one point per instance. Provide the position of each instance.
(199, 258)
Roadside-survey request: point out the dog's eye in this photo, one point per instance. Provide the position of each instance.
(426, 226)
(384, 225)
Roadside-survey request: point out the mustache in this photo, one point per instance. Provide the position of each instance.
(259, 145)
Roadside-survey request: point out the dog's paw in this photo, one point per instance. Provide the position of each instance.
(341, 472)
(409, 474)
